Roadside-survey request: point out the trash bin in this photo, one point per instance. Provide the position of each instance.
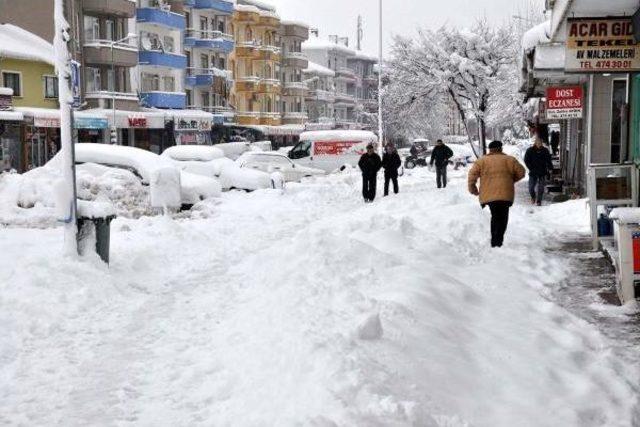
(94, 228)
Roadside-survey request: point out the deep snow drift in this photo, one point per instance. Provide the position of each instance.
(308, 308)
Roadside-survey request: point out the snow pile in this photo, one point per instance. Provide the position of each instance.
(310, 308)
(200, 153)
(95, 210)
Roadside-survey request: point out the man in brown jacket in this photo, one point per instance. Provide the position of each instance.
(498, 174)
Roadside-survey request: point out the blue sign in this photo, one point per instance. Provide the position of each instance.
(90, 123)
(75, 83)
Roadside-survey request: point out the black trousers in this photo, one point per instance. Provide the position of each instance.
(391, 178)
(441, 176)
(499, 222)
(369, 184)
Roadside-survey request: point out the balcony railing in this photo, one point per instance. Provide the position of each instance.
(108, 43)
(295, 115)
(295, 85)
(106, 94)
(208, 34)
(222, 6)
(295, 55)
(215, 109)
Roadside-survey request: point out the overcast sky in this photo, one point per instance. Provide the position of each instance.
(400, 16)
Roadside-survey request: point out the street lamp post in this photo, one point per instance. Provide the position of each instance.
(112, 43)
(380, 128)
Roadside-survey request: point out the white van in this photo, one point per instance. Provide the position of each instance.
(332, 149)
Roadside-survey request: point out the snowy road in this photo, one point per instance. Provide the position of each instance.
(254, 315)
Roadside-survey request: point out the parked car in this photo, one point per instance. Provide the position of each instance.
(169, 186)
(271, 162)
(331, 150)
(210, 162)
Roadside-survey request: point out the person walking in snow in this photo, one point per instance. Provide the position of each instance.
(538, 161)
(391, 162)
(440, 157)
(370, 164)
(498, 174)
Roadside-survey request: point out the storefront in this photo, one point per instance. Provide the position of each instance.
(140, 129)
(41, 133)
(190, 127)
(10, 141)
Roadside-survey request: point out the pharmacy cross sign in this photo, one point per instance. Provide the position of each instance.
(564, 102)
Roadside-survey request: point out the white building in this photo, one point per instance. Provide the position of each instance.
(320, 97)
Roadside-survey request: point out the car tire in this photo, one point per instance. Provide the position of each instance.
(410, 164)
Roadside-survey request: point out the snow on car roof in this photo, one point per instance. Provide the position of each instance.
(144, 162)
(199, 153)
(338, 135)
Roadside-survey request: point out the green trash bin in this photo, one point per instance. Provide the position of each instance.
(98, 228)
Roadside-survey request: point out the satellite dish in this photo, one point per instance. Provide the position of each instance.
(146, 44)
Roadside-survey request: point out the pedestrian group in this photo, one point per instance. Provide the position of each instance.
(492, 177)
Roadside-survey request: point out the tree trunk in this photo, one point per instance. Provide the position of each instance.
(463, 117)
(482, 131)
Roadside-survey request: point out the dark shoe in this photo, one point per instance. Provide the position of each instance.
(539, 203)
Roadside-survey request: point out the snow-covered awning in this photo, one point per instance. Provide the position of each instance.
(11, 116)
(549, 57)
(130, 119)
(50, 118)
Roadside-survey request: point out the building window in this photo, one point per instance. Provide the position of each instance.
(169, 45)
(13, 81)
(205, 99)
(91, 28)
(50, 87)
(204, 25)
(110, 29)
(619, 121)
(169, 83)
(93, 79)
(150, 83)
(189, 99)
(204, 61)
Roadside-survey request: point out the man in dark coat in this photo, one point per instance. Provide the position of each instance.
(440, 156)
(538, 161)
(391, 162)
(370, 164)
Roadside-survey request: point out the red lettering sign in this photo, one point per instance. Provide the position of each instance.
(564, 103)
(336, 148)
(137, 122)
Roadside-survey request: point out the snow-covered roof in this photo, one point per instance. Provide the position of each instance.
(296, 23)
(318, 69)
(549, 57)
(315, 43)
(365, 56)
(536, 35)
(258, 4)
(339, 135)
(18, 43)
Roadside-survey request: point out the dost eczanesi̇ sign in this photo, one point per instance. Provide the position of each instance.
(601, 45)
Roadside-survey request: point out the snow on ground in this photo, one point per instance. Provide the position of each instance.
(308, 308)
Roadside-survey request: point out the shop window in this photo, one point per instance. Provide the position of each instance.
(619, 121)
(13, 80)
(50, 87)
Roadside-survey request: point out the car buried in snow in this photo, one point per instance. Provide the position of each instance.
(273, 162)
(169, 186)
(210, 161)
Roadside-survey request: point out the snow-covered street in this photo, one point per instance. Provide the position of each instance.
(263, 311)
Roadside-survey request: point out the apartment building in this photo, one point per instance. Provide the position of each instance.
(294, 62)
(364, 88)
(161, 62)
(320, 95)
(256, 64)
(334, 54)
(209, 43)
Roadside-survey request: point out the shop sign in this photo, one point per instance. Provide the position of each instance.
(183, 124)
(75, 84)
(635, 239)
(564, 103)
(90, 123)
(336, 148)
(6, 102)
(46, 122)
(137, 122)
(601, 45)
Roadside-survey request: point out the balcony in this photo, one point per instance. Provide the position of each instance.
(206, 76)
(292, 29)
(189, 3)
(246, 16)
(119, 8)
(269, 86)
(294, 89)
(371, 78)
(100, 52)
(170, 100)
(293, 118)
(345, 99)
(247, 84)
(295, 60)
(269, 21)
(160, 17)
(220, 6)
(106, 99)
(270, 119)
(213, 40)
(246, 50)
(268, 53)
(162, 59)
(320, 96)
(247, 118)
(345, 73)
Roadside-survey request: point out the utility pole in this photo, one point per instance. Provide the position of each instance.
(360, 33)
(380, 128)
(67, 201)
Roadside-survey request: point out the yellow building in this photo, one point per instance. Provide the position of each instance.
(256, 64)
(26, 67)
